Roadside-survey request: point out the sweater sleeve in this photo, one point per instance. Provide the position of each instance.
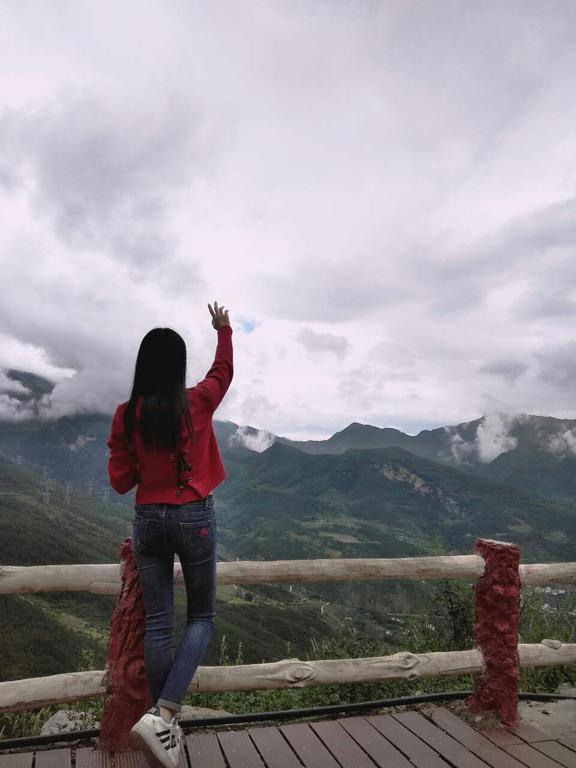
(216, 382)
(122, 460)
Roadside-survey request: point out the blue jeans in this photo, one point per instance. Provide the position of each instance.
(159, 531)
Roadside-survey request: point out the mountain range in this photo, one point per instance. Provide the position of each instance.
(533, 453)
(364, 492)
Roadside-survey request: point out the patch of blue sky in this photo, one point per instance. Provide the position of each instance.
(247, 325)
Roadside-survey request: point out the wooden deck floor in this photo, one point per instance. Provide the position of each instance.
(437, 739)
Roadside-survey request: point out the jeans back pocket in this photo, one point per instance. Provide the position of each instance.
(140, 535)
(198, 539)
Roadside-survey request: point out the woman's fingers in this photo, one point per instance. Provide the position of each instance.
(218, 313)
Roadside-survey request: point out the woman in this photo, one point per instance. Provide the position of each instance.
(162, 440)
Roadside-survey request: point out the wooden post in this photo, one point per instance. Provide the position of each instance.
(497, 613)
(125, 679)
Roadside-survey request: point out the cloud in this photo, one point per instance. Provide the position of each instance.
(492, 439)
(493, 436)
(105, 176)
(557, 365)
(14, 398)
(461, 450)
(510, 370)
(395, 178)
(10, 385)
(257, 441)
(562, 443)
(323, 342)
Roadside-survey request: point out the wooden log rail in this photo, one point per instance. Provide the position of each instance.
(105, 578)
(37, 692)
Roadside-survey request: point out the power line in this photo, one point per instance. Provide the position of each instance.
(46, 492)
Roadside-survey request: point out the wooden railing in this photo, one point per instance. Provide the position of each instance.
(106, 579)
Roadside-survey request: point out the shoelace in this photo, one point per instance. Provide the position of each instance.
(174, 733)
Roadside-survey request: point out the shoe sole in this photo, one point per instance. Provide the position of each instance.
(154, 752)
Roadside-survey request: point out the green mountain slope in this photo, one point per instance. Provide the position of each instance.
(37, 532)
(549, 475)
(387, 502)
(49, 633)
(531, 453)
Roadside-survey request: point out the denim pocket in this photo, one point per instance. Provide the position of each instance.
(140, 528)
(198, 539)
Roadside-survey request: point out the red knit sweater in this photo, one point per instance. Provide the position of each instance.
(155, 471)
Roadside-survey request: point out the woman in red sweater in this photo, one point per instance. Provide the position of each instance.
(162, 440)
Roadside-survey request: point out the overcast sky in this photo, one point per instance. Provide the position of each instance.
(381, 193)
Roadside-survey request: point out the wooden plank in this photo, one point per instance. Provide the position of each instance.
(16, 760)
(530, 734)
(472, 739)
(451, 749)
(558, 752)
(275, 750)
(93, 758)
(501, 736)
(531, 757)
(308, 746)
(407, 742)
(341, 744)
(567, 741)
(54, 758)
(204, 750)
(382, 752)
(182, 759)
(239, 750)
(137, 759)
(133, 759)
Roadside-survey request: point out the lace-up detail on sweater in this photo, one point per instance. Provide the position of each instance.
(181, 466)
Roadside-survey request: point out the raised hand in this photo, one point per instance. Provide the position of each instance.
(219, 316)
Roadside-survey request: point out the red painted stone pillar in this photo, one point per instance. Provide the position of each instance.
(126, 681)
(497, 614)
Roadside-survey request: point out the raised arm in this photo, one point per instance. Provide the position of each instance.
(216, 382)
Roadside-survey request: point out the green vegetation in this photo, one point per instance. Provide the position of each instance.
(447, 625)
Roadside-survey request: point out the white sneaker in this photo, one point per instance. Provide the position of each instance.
(160, 741)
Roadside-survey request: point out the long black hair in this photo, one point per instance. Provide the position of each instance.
(160, 377)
